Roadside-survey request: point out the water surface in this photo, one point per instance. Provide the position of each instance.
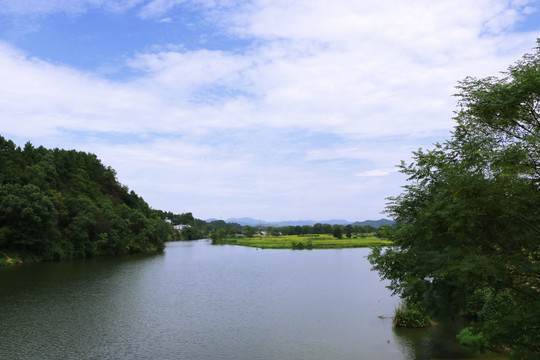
(198, 301)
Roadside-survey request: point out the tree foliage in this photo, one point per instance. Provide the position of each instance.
(337, 231)
(58, 204)
(467, 237)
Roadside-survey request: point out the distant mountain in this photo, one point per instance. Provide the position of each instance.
(246, 221)
(311, 222)
(253, 222)
(374, 223)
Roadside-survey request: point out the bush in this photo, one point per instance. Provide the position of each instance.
(411, 315)
(473, 339)
(300, 245)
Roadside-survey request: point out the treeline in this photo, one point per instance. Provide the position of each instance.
(219, 229)
(58, 204)
(194, 229)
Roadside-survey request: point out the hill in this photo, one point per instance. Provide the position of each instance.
(57, 204)
(374, 223)
(252, 222)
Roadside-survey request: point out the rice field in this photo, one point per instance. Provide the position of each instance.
(305, 242)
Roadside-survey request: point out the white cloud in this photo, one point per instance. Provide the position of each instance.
(419, 21)
(71, 7)
(376, 172)
(157, 8)
(51, 98)
(307, 122)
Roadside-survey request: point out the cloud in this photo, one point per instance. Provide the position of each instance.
(419, 21)
(71, 7)
(306, 121)
(376, 172)
(227, 180)
(352, 69)
(156, 8)
(51, 97)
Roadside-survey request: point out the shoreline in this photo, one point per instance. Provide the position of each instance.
(296, 242)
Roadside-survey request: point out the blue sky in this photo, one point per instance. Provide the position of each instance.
(277, 110)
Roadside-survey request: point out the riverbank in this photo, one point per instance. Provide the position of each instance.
(13, 258)
(9, 260)
(304, 242)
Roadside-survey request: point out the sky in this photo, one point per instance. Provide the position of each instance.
(270, 109)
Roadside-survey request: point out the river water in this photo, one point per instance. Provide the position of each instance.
(199, 301)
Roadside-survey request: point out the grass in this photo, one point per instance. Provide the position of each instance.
(304, 242)
(411, 315)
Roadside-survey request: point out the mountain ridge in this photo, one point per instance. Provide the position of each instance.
(254, 222)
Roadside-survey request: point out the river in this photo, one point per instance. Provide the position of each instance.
(199, 301)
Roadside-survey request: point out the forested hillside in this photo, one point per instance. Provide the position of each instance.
(57, 204)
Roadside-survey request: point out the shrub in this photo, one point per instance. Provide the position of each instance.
(300, 245)
(412, 315)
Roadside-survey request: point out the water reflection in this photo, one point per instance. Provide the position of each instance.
(437, 342)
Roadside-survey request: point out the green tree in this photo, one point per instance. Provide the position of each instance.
(274, 231)
(348, 231)
(326, 229)
(27, 219)
(218, 235)
(385, 231)
(467, 239)
(58, 204)
(307, 229)
(249, 230)
(366, 229)
(337, 231)
(190, 233)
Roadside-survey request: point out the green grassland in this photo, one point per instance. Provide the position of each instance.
(304, 242)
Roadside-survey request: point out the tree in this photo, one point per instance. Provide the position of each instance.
(318, 228)
(274, 231)
(467, 239)
(348, 231)
(366, 229)
(249, 230)
(337, 231)
(307, 229)
(384, 231)
(326, 229)
(27, 219)
(57, 204)
(218, 235)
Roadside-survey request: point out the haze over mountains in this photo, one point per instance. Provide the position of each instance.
(250, 221)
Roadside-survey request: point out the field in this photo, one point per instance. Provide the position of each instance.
(304, 242)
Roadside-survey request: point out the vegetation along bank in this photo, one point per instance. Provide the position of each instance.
(63, 204)
(467, 234)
